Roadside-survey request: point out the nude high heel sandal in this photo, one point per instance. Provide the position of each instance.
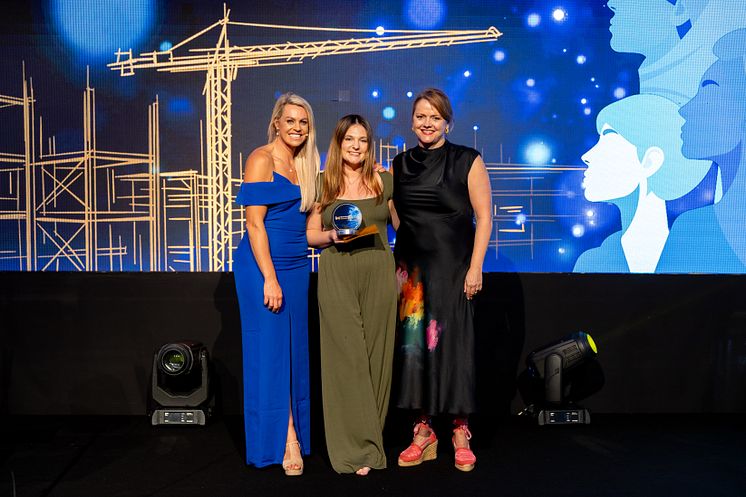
(292, 465)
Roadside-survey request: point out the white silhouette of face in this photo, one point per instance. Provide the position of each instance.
(642, 26)
(614, 168)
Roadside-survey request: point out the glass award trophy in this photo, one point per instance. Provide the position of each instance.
(346, 219)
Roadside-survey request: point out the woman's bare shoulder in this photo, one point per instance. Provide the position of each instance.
(259, 165)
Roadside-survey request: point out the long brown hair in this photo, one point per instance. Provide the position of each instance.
(333, 167)
(307, 158)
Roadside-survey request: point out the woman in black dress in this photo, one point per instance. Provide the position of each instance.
(439, 190)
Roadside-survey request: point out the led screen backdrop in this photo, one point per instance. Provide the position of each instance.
(612, 130)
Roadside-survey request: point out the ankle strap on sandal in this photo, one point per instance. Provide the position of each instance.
(465, 429)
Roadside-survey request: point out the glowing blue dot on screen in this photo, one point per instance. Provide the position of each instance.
(520, 219)
(590, 213)
(533, 19)
(554, 161)
(467, 73)
(475, 127)
(578, 230)
(537, 153)
(97, 28)
(530, 82)
(559, 14)
(564, 50)
(580, 59)
(380, 31)
(499, 56)
(425, 13)
(375, 94)
(389, 113)
(165, 45)
(620, 92)
(583, 101)
(180, 105)
(561, 250)
(587, 111)
(410, 94)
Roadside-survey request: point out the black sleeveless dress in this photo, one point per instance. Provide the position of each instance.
(435, 331)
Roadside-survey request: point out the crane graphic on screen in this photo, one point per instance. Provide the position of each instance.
(221, 63)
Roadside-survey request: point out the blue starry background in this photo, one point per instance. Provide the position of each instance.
(531, 97)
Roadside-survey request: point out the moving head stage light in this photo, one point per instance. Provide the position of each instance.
(181, 384)
(557, 375)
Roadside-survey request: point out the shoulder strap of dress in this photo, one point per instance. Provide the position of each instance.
(319, 186)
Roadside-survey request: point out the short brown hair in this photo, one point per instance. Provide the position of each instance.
(437, 99)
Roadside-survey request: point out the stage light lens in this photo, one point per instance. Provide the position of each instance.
(592, 344)
(173, 361)
(176, 358)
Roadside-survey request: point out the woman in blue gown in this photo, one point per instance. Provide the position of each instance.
(271, 273)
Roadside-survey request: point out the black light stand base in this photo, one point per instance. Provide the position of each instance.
(566, 416)
(180, 416)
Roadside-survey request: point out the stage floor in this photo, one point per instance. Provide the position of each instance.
(616, 455)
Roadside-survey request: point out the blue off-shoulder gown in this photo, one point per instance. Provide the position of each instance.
(275, 345)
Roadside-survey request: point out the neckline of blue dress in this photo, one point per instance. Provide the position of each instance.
(285, 178)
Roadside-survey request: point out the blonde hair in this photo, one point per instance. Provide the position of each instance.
(306, 160)
(333, 167)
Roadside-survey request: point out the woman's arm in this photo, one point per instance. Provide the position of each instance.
(393, 215)
(258, 168)
(480, 196)
(315, 234)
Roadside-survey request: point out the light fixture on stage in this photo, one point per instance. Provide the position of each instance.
(559, 374)
(181, 384)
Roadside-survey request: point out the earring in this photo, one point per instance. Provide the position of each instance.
(446, 129)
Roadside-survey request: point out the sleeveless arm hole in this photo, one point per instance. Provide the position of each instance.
(472, 155)
(387, 182)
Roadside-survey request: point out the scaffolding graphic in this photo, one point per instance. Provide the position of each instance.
(516, 188)
(100, 210)
(78, 198)
(15, 206)
(221, 63)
